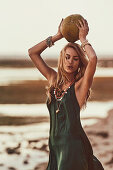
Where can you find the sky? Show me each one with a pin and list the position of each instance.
(24, 23)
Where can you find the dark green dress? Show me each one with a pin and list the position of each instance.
(69, 146)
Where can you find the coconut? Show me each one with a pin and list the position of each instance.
(69, 29)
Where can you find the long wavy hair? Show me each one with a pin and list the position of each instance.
(61, 74)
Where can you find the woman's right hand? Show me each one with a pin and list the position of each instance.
(59, 34)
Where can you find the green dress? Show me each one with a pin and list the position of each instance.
(69, 147)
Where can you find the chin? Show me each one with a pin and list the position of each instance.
(69, 71)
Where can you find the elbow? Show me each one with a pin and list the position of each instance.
(30, 52)
(94, 59)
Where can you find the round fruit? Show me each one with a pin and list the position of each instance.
(69, 29)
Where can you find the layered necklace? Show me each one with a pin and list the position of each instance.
(60, 94)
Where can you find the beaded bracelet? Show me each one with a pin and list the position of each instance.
(49, 41)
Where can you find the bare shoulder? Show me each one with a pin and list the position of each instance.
(78, 83)
(52, 78)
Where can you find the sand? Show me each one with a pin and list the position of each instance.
(101, 137)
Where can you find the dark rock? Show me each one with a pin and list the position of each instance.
(11, 168)
(35, 141)
(25, 162)
(43, 147)
(1, 164)
(102, 134)
(14, 150)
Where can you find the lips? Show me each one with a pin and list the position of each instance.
(70, 67)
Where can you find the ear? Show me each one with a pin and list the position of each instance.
(78, 69)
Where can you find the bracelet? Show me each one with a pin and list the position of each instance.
(49, 42)
(84, 44)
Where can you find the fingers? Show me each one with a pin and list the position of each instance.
(77, 25)
(60, 25)
(61, 22)
(82, 24)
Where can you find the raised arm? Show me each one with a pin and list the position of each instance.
(35, 55)
(91, 67)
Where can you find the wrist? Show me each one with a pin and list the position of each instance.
(82, 40)
(51, 39)
(57, 37)
(84, 43)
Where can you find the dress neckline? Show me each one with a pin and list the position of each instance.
(62, 96)
(69, 86)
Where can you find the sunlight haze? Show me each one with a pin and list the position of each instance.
(24, 23)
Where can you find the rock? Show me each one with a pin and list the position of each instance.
(69, 29)
(25, 162)
(1, 164)
(11, 168)
(14, 150)
(102, 134)
(43, 147)
(33, 141)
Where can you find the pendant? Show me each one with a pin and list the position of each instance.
(57, 110)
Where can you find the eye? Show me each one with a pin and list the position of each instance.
(75, 59)
(67, 57)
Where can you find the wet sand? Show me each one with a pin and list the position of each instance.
(101, 137)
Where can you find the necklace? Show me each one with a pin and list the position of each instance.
(59, 96)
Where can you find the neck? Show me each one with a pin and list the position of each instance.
(70, 77)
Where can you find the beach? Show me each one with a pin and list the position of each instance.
(24, 146)
(25, 122)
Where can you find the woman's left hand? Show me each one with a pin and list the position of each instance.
(83, 29)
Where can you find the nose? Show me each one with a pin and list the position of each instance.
(70, 60)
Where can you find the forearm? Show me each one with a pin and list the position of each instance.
(89, 50)
(40, 47)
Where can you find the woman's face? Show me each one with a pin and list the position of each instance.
(71, 60)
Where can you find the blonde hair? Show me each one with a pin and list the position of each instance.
(61, 74)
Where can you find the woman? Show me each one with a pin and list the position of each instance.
(68, 92)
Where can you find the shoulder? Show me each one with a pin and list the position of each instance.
(78, 83)
(52, 78)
